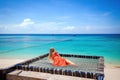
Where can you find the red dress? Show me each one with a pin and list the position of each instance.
(58, 60)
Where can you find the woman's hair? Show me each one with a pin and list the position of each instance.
(50, 54)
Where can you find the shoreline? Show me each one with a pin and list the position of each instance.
(111, 71)
(107, 65)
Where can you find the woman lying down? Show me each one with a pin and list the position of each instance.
(57, 60)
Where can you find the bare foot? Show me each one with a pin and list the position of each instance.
(74, 64)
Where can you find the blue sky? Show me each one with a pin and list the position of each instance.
(59, 16)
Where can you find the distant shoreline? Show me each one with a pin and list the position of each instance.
(58, 34)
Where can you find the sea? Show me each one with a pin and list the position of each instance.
(26, 46)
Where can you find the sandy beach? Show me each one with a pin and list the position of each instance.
(4, 63)
(112, 72)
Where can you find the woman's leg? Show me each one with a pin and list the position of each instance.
(71, 62)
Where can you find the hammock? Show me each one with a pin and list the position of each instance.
(87, 66)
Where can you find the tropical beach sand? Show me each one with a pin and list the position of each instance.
(5, 63)
(111, 72)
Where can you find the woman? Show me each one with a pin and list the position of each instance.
(57, 60)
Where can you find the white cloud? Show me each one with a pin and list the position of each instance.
(87, 28)
(56, 27)
(26, 22)
(53, 27)
(64, 17)
(69, 28)
(106, 14)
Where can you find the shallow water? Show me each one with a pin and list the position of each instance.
(28, 46)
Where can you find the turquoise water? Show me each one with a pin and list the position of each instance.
(28, 46)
